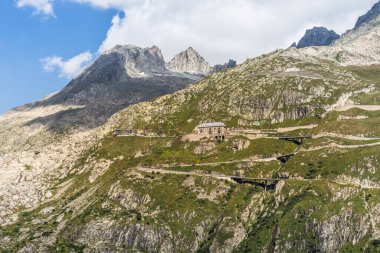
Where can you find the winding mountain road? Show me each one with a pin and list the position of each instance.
(230, 178)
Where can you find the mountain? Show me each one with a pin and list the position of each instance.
(220, 67)
(166, 189)
(369, 16)
(298, 171)
(118, 78)
(317, 36)
(189, 61)
(46, 136)
(357, 46)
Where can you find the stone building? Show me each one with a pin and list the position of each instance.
(217, 130)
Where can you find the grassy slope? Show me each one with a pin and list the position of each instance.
(289, 219)
(236, 97)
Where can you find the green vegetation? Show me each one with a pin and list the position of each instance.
(190, 213)
(333, 162)
(156, 151)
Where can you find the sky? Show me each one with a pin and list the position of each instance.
(46, 43)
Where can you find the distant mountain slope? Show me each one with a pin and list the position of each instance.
(358, 46)
(120, 77)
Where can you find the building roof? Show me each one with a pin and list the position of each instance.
(212, 124)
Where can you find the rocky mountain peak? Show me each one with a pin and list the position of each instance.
(120, 77)
(318, 36)
(372, 14)
(191, 50)
(140, 61)
(220, 67)
(189, 61)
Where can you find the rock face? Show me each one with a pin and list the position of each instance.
(189, 61)
(122, 76)
(106, 232)
(369, 16)
(256, 107)
(220, 67)
(140, 62)
(318, 36)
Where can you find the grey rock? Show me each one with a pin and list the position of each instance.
(123, 76)
(221, 67)
(369, 16)
(317, 36)
(97, 235)
(189, 61)
(140, 61)
(282, 106)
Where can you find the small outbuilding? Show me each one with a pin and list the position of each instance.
(118, 132)
(217, 130)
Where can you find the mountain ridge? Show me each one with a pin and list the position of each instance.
(120, 77)
(373, 13)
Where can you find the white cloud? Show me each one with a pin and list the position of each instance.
(44, 7)
(69, 68)
(218, 29)
(106, 4)
(223, 29)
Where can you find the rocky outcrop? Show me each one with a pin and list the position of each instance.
(221, 67)
(128, 198)
(240, 144)
(189, 61)
(280, 107)
(204, 147)
(340, 229)
(317, 36)
(98, 235)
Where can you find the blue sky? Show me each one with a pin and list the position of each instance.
(45, 43)
(26, 38)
